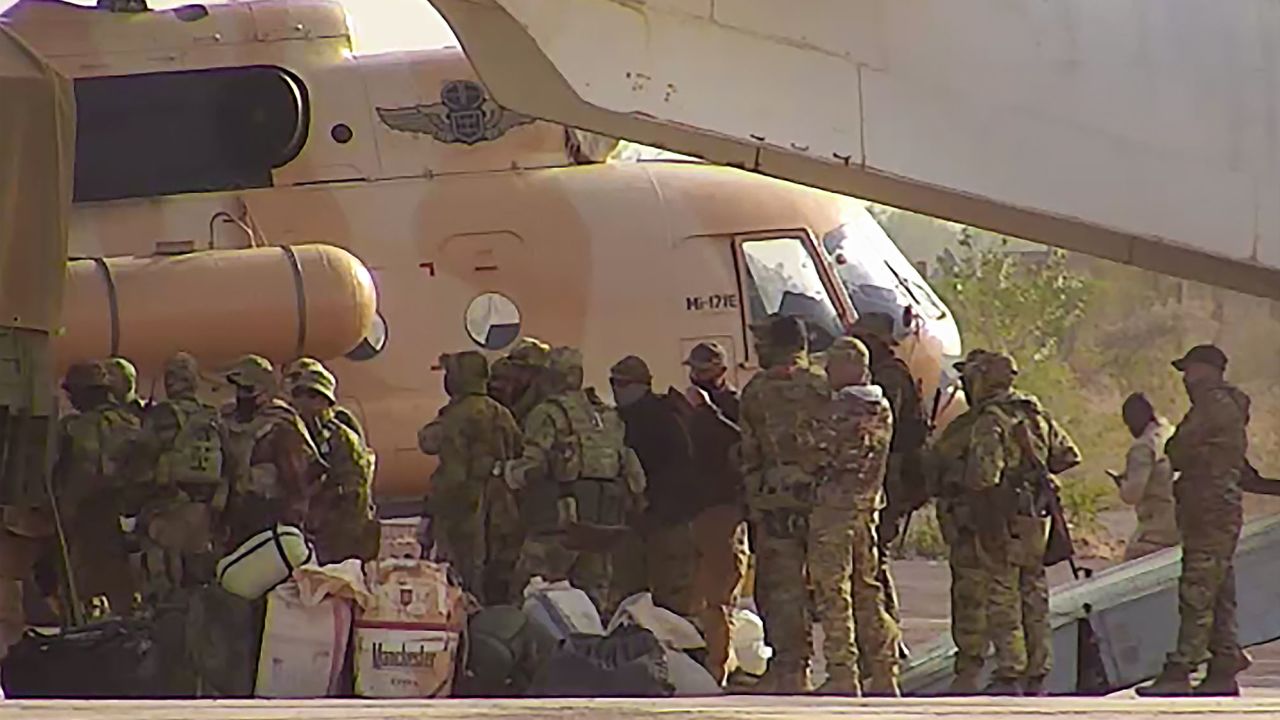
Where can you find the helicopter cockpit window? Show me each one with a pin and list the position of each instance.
(167, 133)
(493, 321)
(875, 272)
(782, 278)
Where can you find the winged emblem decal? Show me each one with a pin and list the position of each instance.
(465, 114)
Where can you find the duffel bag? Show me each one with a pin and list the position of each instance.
(112, 658)
(264, 561)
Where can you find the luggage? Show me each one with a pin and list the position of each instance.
(561, 609)
(504, 651)
(689, 678)
(264, 561)
(109, 659)
(628, 663)
(407, 640)
(304, 645)
(224, 632)
(670, 629)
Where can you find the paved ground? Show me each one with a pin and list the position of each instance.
(923, 590)
(719, 709)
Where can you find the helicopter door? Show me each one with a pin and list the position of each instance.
(781, 273)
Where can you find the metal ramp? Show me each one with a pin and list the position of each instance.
(1112, 631)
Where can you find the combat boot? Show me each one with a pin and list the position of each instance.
(1220, 681)
(1004, 686)
(841, 680)
(1033, 686)
(966, 682)
(783, 680)
(1174, 681)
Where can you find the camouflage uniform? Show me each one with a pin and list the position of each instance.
(122, 378)
(853, 437)
(1208, 449)
(946, 463)
(558, 544)
(294, 370)
(904, 486)
(472, 435)
(342, 516)
(515, 382)
(271, 463)
(88, 486)
(183, 440)
(779, 460)
(1011, 529)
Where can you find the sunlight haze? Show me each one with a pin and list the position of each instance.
(376, 25)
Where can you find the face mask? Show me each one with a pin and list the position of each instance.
(705, 383)
(628, 394)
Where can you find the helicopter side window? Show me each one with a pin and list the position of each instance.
(782, 278)
(168, 133)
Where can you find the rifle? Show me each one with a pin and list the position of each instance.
(1060, 546)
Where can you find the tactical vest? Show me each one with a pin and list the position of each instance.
(112, 433)
(194, 463)
(246, 477)
(592, 475)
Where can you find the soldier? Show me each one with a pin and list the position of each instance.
(182, 443)
(1006, 502)
(779, 458)
(577, 483)
(853, 437)
(1208, 449)
(123, 379)
(944, 462)
(342, 516)
(707, 370)
(719, 529)
(656, 431)
(88, 487)
(272, 465)
(516, 382)
(294, 370)
(1147, 481)
(472, 436)
(903, 483)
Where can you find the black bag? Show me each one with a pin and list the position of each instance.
(504, 651)
(224, 635)
(630, 662)
(109, 659)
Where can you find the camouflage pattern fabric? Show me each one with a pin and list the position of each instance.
(89, 486)
(945, 463)
(1208, 448)
(853, 437)
(273, 467)
(475, 434)
(548, 443)
(342, 518)
(779, 457)
(1012, 550)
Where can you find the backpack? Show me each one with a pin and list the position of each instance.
(196, 457)
(591, 465)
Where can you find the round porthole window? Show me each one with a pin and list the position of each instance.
(493, 321)
(373, 342)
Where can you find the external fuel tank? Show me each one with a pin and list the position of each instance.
(279, 302)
